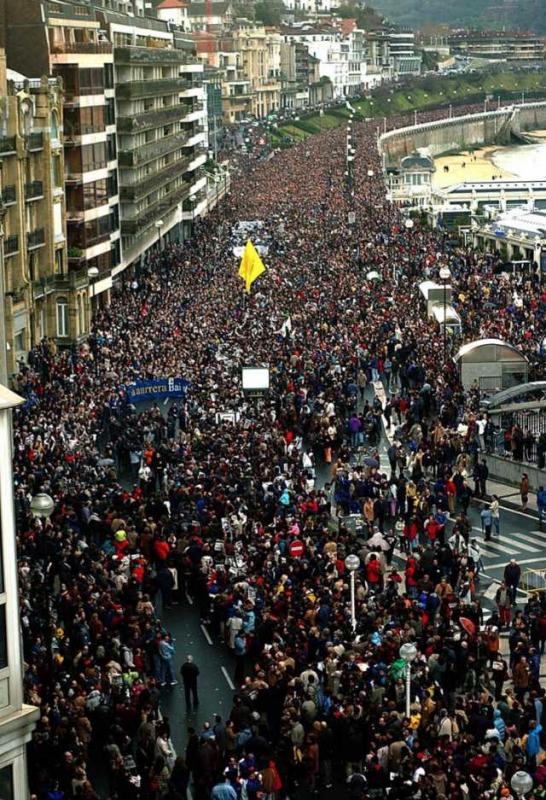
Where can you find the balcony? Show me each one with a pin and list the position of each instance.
(151, 119)
(138, 224)
(35, 141)
(148, 55)
(138, 89)
(34, 190)
(139, 189)
(11, 245)
(147, 152)
(36, 238)
(7, 145)
(81, 48)
(9, 195)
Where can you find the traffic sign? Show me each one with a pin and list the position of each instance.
(296, 548)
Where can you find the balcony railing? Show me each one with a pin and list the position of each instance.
(7, 144)
(34, 190)
(81, 47)
(148, 55)
(151, 119)
(134, 158)
(35, 141)
(9, 195)
(135, 191)
(11, 245)
(162, 206)
(138, 89)
(36, 238)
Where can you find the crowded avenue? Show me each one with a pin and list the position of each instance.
(201, 618)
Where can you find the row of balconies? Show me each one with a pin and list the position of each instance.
(152, 119)
(85, 48)
(142, 187)
(35, 238)
(147, 152)
(153, 212)
(148, 55)
(160, 86)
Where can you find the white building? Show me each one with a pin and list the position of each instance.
(174, 11)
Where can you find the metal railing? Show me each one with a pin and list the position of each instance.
(155, 149)
(36, 238)
(9, 195)
(34, 190)
(138, 89)
(148, 55)
(7, 144)
(81, 47)
(11, 245)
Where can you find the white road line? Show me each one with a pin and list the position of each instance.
(206, 634)
(495, 565)
(225, 673)
(494, 543)
(525, 514)
(189, 599)
(528, 538)
(491, 547)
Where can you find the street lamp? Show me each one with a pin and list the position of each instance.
(445, 275)
(42, 505)
(371, 173)
(352, 563)
(92, 274)
(521, 782)
(159, 224)
(408, 651)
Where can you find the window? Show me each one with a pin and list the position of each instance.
(54, 126)
(62, 317)
(6, 783)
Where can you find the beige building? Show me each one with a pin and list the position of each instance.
(261, 65)
(42, 299)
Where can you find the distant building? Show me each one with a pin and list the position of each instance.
(175, 11)
(411, 183)
(497, 45)
(220, 17)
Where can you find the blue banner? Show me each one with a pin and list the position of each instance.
(156, 389)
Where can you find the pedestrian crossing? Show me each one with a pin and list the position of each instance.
(512, 543)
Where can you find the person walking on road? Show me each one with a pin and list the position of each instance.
(524, 491)
(190, 671)
(494, 507)
(487, 523)
(512, 575)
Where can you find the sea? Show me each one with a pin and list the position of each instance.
(527, 161)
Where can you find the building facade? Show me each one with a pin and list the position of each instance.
(42, 296)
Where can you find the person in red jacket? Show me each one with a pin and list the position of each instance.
(411, 577)
(374, 575)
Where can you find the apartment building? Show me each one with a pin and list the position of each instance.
(117, 63)
(260, 51)
(497, 45)
(391, 53)
(65, 39)
(42, 296)
(161, 131)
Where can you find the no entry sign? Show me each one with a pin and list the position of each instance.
(296, 548)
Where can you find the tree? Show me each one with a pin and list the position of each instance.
(269, 12)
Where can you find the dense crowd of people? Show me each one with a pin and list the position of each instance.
(207, 498)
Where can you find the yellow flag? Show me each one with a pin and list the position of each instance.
(251, 265)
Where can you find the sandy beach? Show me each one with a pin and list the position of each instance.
(468, 166)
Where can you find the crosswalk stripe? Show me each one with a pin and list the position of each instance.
(503, 549)
(494, 547)
(528, 538)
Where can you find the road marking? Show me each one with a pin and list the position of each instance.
(495, 544)
(490, 547)
(525, 561)
(189, 599)
(206, 634)
(532, 515)
(528, 538)
(228, 679)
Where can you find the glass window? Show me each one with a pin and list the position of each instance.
(62, 317)
(6, 783)
(3, 642)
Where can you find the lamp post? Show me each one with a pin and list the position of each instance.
(42, 505)
(92, 274)
(408, 651)
(352, 563)
(521, 782)
(445, 275)
(159, 224)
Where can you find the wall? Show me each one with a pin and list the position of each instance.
(458, 133)
(510, 472)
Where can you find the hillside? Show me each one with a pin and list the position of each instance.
(522, 15)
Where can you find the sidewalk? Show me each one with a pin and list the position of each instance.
(509, 496)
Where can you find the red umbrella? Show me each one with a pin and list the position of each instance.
(468, 626)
